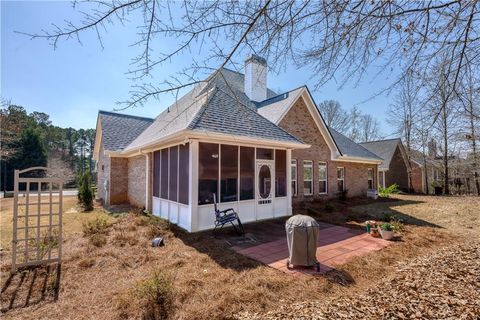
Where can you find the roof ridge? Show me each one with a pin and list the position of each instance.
(124, 115)
(381, 140)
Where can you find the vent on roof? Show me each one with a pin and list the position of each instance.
(256, 78)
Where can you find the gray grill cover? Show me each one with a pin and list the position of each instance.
(302, 235)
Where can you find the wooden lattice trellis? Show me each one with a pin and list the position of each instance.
(37, 226)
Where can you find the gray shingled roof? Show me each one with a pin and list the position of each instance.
(350, 148)
(119, 130)
(224, 114)
(383, 148)
(218, 105)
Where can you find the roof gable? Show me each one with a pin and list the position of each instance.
(386, 150)
(276, 108)
(118, 130)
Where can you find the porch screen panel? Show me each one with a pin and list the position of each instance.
(207, 172)
(280, 173)
(156, 174)
(164, 174)
(173, 175)
(247, 173)
(228, 173)
(183, 173)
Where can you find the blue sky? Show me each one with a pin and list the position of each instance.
(74, 81)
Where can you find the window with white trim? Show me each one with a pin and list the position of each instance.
(307, 177)
(370, 178)
(322, 178)
(293, 176)
(341, 179)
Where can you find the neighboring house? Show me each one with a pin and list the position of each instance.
(233, 137)
(395, 167)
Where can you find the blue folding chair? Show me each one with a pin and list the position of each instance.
(227, 216)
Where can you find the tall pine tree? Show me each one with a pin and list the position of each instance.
(32, 151)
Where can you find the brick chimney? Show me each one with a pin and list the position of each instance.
(256, 78)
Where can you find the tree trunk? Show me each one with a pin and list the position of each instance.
(445, 150)
(474, 150)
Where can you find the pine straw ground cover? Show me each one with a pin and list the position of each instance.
(110, 271)
(441, 285)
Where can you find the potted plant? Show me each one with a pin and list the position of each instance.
(386, 231)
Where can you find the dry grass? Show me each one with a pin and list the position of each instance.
(73, 218)
(459, 214)
(208, 279)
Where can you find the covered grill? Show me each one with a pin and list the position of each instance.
(302, 235)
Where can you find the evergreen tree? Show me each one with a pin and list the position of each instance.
(32, 151)
(85, 194)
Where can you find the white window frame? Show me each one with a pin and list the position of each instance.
(323, 163)
(342, 178)
(293, 164)
(306, 164)
(370, 178)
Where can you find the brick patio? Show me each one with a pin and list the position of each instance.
(336, 246)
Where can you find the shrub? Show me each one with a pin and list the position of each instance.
(98, 225)
(98, 240)
(153, 296)
(313, 211)
(386, 192)
(85, 193)
(329, 207)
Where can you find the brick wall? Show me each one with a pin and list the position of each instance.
(136, 181)
(417, 178)
(118, 180)
(397, 172)
(299, 122)
(103, 174)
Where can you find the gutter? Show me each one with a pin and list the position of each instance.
(358, 159)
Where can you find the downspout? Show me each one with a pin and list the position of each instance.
(147, 179)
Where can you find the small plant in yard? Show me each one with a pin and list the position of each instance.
(386, 226)
(98, 240)
(386, 231)
(386, 192)
(98, 225)
(85, 193)
(313, 211)
(153, 296)
(397, 224)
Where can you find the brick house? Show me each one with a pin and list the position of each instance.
(232, 137)
(395, 167)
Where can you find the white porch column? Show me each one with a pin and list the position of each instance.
(148, 194)
(193, 185)
(289, 182)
